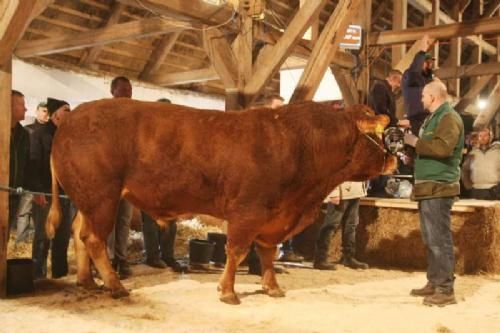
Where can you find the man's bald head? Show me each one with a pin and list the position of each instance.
(433, 95)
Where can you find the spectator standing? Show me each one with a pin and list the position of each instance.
(414, 79)
(342, 210)
(159, 242)
(25, 224)
(19, 153)
(41, 146)
(437, 173)
(481, 168)
(118, 239)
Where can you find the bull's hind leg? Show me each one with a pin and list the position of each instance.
(83, 273)
(98, 224)
(269, 282)
(235, 255)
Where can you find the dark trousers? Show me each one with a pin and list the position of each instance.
(158, 243)
(58, 245)
(346, 213)
(435, 225)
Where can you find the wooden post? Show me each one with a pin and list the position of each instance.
(399, 22)
(477, 51)
(5, 115)
(455, 58)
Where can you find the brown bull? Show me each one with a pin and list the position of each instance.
(264, 171)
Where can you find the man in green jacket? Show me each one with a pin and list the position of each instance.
(437, 174)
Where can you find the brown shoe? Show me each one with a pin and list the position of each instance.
(440, 299)
(427, 290)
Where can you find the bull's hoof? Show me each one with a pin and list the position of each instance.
(277, 292)
(119, 293)
(88, 284)
(230, 299)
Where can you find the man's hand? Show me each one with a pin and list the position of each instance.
(40, 200)
(410, 139)
(425, 43)
(334, 200)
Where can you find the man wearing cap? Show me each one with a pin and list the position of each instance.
(414, 79)
(24, 212)
(41, 146)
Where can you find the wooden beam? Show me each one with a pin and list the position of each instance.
(116, 33)
(445, 31)
(283, 48)
(14, 22)
(198, 10)
(303, 48)
(491, 9)
(455, 55)
(473, 92)
(172, 79)
(243, 54)
(90, 55)
(382, 6)
(324, 50)
(399, 21)
(346, 84)
(159, 54)
(468, 70)
(433, 22)
(221, 56)
(425, 6)
(484, 118)
(5, 119)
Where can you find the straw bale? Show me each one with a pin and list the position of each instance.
(390, 237)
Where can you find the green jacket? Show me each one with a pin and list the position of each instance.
(19, 157)
(439, 152)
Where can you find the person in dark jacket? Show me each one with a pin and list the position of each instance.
(25, 210)
(414, 79)
(19, 153)
(382, 100)
(159, 242)
(41, 145)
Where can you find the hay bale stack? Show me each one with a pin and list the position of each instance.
(390, 237)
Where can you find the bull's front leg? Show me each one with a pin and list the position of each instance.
(235, 255)
(269, 282)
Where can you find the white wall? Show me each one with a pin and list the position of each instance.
(37, 83)
(328, 88)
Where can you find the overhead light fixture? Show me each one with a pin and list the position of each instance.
(482, 104)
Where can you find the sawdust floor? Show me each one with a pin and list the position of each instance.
(345, 300)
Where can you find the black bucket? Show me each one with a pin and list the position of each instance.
(219, 255)
(20, 276)
(200, 251)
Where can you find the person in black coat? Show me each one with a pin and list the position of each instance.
(414, 79)
(41, 146)
(19, 153)
(382, 100)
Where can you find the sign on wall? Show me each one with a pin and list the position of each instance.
(352, 37)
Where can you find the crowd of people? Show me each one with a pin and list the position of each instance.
(434, 149)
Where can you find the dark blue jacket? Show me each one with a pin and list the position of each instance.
(412, 84)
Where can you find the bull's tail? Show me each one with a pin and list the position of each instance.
(55, 213)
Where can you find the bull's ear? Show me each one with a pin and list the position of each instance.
(373, 125)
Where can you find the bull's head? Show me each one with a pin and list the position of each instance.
(372, 129)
